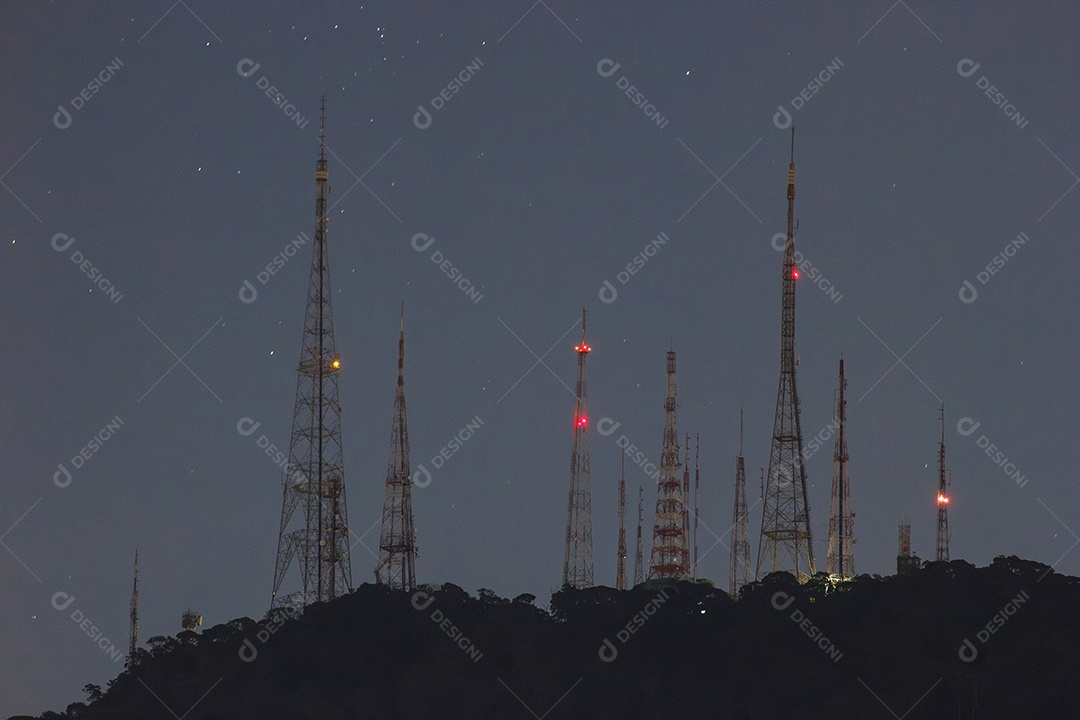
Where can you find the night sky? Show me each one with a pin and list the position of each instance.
(176, 178)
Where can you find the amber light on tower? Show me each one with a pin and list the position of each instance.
(944, 480)
(318, 540)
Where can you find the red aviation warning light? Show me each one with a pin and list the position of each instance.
(582, 348)
(583, 422)
(942, 499)
(794, 274)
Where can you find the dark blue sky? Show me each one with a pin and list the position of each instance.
(539, 179)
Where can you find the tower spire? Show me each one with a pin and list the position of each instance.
(739, 565)
(942, 498)
(786, 542)
(397, 539)
(670, 557)
(314, 478)
(578, 558)
(840, 561)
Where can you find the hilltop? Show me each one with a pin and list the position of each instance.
(944, 639)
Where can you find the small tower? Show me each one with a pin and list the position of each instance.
(397, 539)
(578, 558)
(190, 621)
(639, 561)
(319, 542)
(840, 562)
(620, 575)
(786, 542)
(739, 566)
(133, 629)
(670, 556)
(944, 480)
(905, 561)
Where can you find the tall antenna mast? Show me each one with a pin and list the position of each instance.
(739, 566)
(620, 575)
(697, 485)
(639, 561)
(397, 538)
(786, 542)
(315, 479)
(840, 561)
(942, 498)
(670, 557)
(133, 630)
(578, 558)
(687, 542)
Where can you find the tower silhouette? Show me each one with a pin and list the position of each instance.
(578, 558)
(133, 628)
(397, 539)
(840, 561)
(670, 550)
(786, 543)
(739, 565)
(315, 479)
(639, 559)
(944, 478)
(686, 531)
(620, 574)
(697, 487)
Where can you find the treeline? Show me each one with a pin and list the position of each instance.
(946, 641)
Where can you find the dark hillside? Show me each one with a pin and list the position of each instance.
(873, 648)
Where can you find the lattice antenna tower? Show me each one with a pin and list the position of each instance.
(639, 556)
(786, 541)
(840, 561)
(578, 558)
(697, 487)
(687, 541)
(942, 497)
(133, 629)
(739, 565)
(687, 529)
(670, 557)
(315, 480)
(620, 575)
(397, 539)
